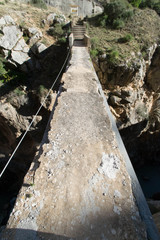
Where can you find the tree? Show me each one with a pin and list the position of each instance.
(118, 9)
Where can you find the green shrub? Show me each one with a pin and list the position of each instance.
(62, 40)
(157, 7)
(18, 91)
(151, 3)
(112, 56)
(135, 3)
(118, 24)
(42, 91)
(94, 53)
(39, 4)
(58, 31)
(2, 67)
(154, 4)
(26, 39)
(118, 9)
(126, 39)
(13, 77)
(22, 24)
(94, 42)
(102, 20)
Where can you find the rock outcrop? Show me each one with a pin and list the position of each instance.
(13, 46)
(20, 99)
(12, 43)
(126, 86)
(85, 7)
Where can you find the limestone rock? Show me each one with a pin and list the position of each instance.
(130, 81)
(11, 36)
(12, 41)
(86, 8)
(33, 31)
(153, 73)
(2, 21)
(114, 100)
(9, 113)
(34, 35)
(51, 17)
(38, 48)
(13, 119)
(54, 18)
(6, 20)
(22, 46)
(19, 57)
(5, 52)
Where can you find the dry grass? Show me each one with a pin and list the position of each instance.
(29, 16)
(144, 27)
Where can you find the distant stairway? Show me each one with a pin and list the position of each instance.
(78, 33)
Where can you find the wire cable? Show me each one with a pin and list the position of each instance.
(34, 116)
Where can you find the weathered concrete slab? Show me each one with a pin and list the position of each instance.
(81, 186)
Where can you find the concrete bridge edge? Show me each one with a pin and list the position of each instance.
(152, 231)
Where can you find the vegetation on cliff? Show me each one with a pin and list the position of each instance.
(125, 29)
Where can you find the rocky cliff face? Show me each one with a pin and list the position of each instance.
(85, 7)
(36, 66)
(133, 95)
(127, 88)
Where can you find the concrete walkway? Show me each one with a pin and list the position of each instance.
(81, 186)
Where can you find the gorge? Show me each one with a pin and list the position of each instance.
(130, 80)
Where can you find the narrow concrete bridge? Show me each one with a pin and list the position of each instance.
(81, 184)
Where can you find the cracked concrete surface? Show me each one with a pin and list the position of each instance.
(81, 186)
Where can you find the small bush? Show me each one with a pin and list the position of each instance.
(42, 91)
(118, 24)
(58, 30)
(13, 77)
(126, 39)
(118, 9)
(102, 21)
(157, 8)
(2, 67)
(62, 40)
(26, 39)
(18, 92)
(151, 3)
(94, 53)
(154, 4)
(22, 24)
(39, 4)
(112, 56)
(135, 3)
(94, 42)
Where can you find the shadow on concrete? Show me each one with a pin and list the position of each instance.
(26, 234)
(79, 43)
(103, 227)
